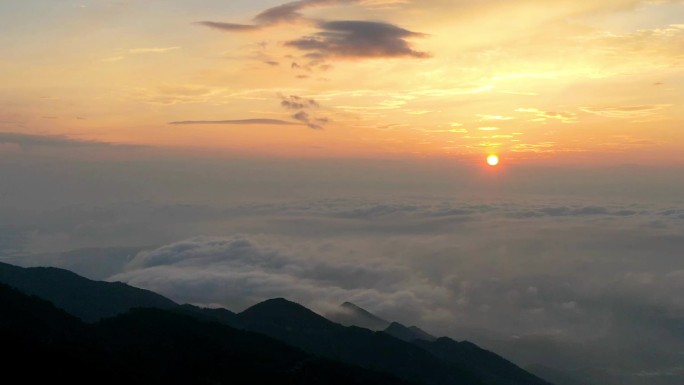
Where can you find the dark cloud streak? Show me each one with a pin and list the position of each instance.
(310, 121)
(359, 39)
(232, 27)
(285, 13)
(341, 38)
(238, 122)
(32, 140)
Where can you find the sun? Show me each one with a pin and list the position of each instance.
(492, 160)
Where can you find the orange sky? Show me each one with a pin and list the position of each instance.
(532, 80)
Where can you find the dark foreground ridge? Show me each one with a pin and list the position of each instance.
(145, 338)
(153, 346)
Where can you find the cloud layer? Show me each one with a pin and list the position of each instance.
(537, 263)
(564, 285)
(60, 141)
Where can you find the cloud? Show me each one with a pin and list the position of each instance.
(542, 116)
(597, 283)
(291, 102)
(338, 251)
(231, 27)
(559, 263)
(285, 13)
(652, 42)
(238, 122)
(34, 140)
(290, 12)
(224, 269)
(136, 51)
(637, 111)
(311, 121)
(342, 38)
(494, 117)
(294, 102)
(121, 55)
(170, 94)
(358, 39)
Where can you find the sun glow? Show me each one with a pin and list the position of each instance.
(492, 160)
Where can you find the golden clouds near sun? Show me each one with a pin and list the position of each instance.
(492, 160)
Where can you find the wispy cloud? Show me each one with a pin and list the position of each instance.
(136, 51)
(169, 94)
(121, 55)
(257, 121)
(542, 116)
(37, 140)
(494, 117)
(638, 111)
(230, 27)
(284, 13)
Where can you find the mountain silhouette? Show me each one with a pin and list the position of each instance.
(298, 326)
(408, 334)
(489, 366)
(349, 314)
(486, 365)
(118, 329)
(153, 347)
(220, 315)
(86, 299)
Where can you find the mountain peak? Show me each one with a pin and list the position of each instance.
(284, 313)
(408, 334)
(349, 314)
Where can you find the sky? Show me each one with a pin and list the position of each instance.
(225, 152)
(535, 81)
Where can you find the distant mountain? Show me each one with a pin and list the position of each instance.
(153, 347)
(86, 299)
(93, 263)
(279, 312)
(300, 327)
(349, 314)
(489, 366)
(408, 334)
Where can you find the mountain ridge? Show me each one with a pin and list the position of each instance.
(427, 361)
(87, 299)
(408, 334)
(154, 347)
